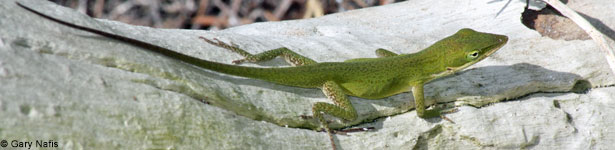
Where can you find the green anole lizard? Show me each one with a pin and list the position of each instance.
(371, 78)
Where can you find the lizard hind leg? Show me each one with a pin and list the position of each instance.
(341, 109)
(290, 56)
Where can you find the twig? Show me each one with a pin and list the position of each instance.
(313, 9)
(97, 11)
(591, 30)
(282, 8)
(360, 3)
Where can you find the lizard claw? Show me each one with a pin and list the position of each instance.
(206, 40)
(215, 41)
(346, 131)
(238, 61)
(447, 119)
(448, 112)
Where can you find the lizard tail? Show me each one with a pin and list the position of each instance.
(250, 72)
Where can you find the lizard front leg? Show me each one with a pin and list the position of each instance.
(290, 56)
(342, 109)
(419, 103)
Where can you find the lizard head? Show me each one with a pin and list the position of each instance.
(467, 47)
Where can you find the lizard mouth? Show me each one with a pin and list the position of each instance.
(495, 47)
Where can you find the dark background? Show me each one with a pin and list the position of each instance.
(212, 14)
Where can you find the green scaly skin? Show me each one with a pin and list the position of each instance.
(371, 78)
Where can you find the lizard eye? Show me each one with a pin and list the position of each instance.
(472, 55)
